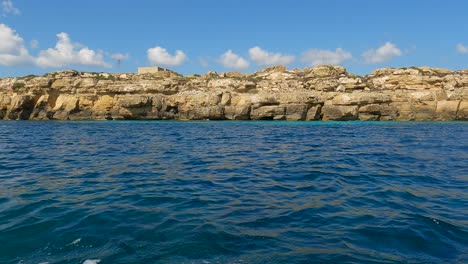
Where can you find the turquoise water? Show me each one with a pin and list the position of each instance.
(233, 192)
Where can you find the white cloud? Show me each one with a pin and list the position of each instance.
(384, 53)
(10, 39)
(119, 56)
(233, 61)
(263, 57)
(9, 8)
(13, 52)
(67, 53)
(316, 57)
(34, 44)
(12, 49)
(160, 56)
(462, 49)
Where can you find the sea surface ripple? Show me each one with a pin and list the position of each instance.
(233, 192)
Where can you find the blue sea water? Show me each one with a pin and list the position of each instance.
(233, 192)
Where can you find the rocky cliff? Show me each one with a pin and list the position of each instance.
(319, 93)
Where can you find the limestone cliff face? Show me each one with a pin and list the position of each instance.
(319, 93)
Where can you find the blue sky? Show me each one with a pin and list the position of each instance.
(199, 36)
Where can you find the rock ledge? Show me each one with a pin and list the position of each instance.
(275, 93)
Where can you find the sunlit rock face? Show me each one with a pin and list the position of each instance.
(275, 93)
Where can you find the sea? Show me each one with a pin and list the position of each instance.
(233, 192)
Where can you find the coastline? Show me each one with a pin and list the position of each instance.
(322, 93)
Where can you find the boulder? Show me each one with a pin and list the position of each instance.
(313, 113)
(226, 99)
(462, 113)
(323, 84)
(64, 106)
(86, 83)
(269, 112)
(447, 110)
(296, 112)
(103, 108)
(133, 113)
(326, 71)
(239, 112)
(65, 83)
(339, 112)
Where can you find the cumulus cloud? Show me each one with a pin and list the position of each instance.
(384, 53)
(316, 57)
(263, 57)
(13, 52)
(160, 56)
(462, 49)
(67, 53)
(233, 61)
(12, 49)
(10, 39)
(9, 9)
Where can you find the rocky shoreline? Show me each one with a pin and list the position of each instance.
(275, 93)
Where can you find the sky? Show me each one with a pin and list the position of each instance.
(194, 37)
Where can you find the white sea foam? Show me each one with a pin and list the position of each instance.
(92, 261)
(76, 241)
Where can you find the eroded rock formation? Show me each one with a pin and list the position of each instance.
(275, 93)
